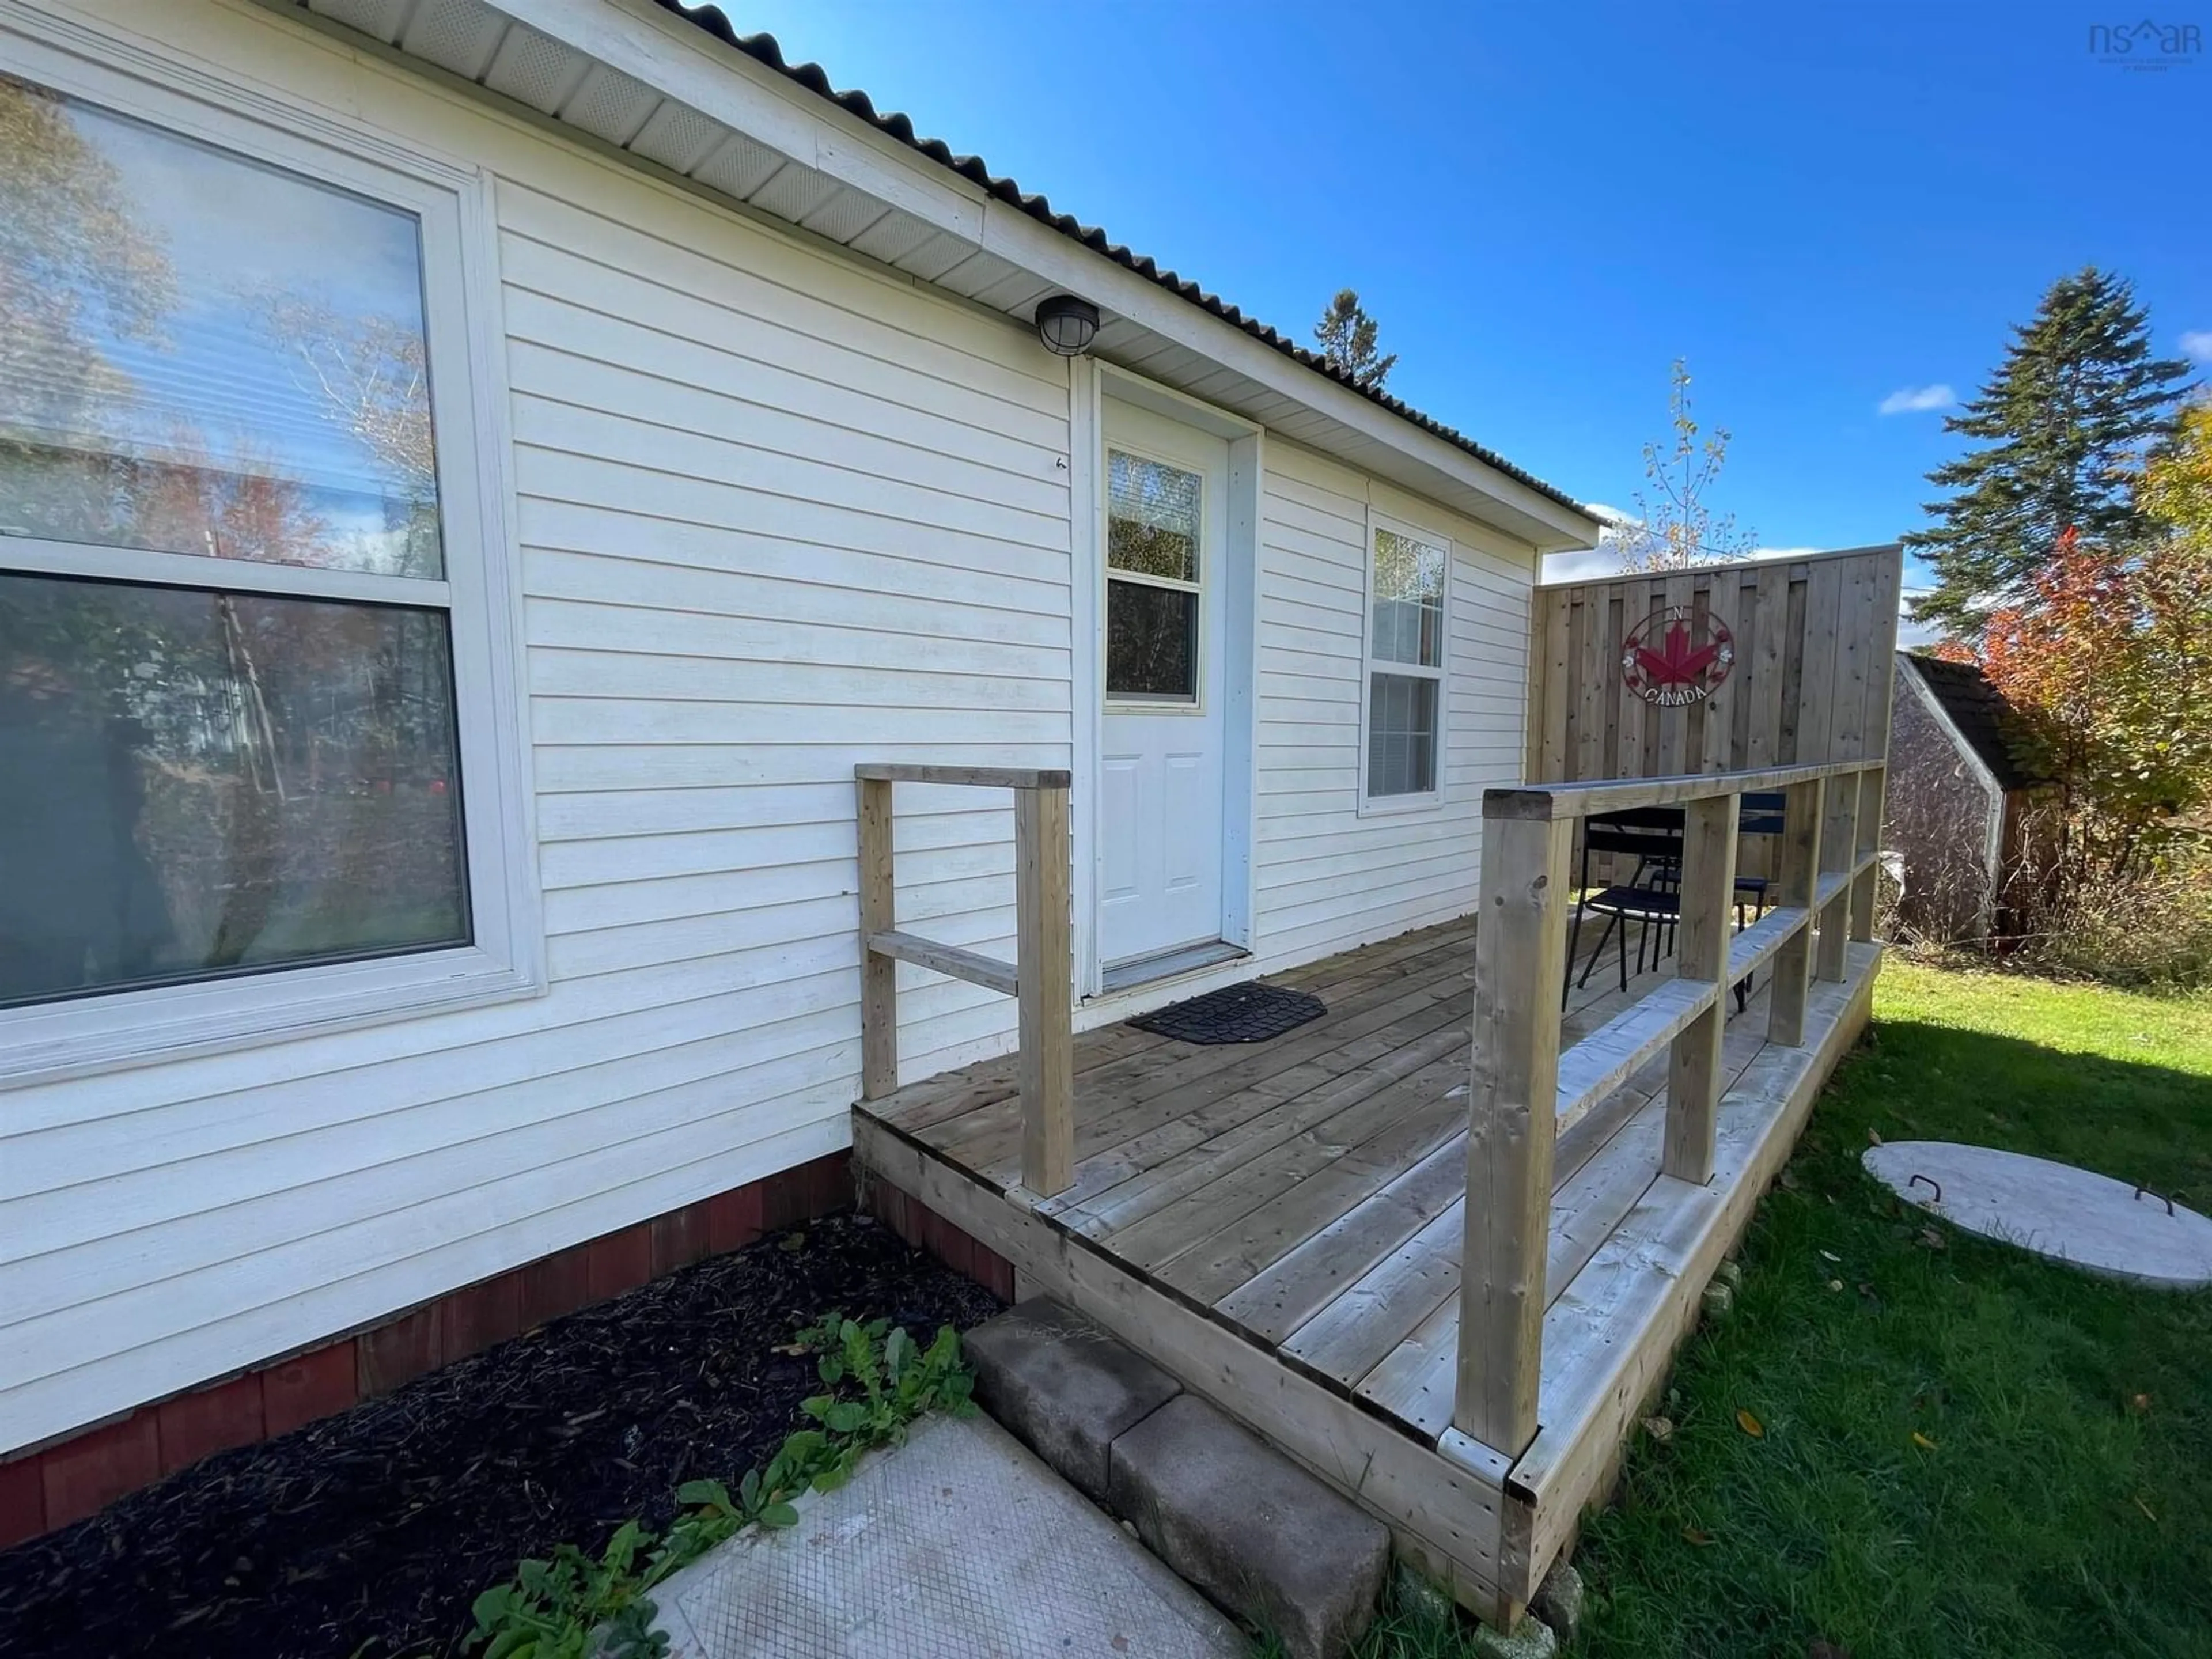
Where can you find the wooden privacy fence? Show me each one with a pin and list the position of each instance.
(1525, 1091)
(1041, 978)
(1811, 641)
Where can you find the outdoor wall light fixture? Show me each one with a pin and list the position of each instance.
(1067, 324)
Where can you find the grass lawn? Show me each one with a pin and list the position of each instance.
(1965, 1451)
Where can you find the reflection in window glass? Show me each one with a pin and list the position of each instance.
(1153, 515)
(1152, 641)
(198, 782)
(1401, 735)
(199, 353)
(1409, 600)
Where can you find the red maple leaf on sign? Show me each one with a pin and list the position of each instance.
(1675, 663)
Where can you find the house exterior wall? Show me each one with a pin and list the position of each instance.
(1329, 877)
(1942, 815)
(777, 512)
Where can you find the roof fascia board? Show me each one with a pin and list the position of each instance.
(682, 61)
(677, 59)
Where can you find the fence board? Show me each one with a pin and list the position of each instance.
(1813, 640)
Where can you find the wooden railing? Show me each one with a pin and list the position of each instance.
(1041, 978)
(1525, 1091)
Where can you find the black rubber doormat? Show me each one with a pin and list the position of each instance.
(1236, 1013)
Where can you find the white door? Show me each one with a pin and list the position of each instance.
(1160, 762)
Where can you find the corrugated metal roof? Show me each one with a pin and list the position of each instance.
(764, 48)
(1978, 711)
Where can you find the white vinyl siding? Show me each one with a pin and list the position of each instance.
(1329, 877)
(777, 514)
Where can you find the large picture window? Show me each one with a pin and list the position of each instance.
(241, 648)
(1408, 575)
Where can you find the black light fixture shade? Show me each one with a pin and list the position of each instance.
(1067, 324)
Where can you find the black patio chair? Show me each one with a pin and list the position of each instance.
(1652, 895)
(1653, 836)
(1756, 815)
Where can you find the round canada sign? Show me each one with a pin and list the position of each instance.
(1677, 655)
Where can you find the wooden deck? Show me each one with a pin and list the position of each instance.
(1281, 1225)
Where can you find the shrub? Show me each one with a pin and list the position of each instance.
(2151, 929)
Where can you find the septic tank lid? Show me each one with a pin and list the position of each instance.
(2070, 1215)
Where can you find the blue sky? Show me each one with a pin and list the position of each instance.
(1818, 206)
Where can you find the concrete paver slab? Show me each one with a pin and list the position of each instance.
(960, 1543)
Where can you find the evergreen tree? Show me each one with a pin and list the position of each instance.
(1347, 334)
(2062, 423)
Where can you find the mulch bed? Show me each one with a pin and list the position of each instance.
(371, 1533)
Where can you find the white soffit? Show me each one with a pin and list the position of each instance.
(912, 215)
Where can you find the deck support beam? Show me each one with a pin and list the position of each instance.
(1867, 882)
(1520, 957)
(1805, 810)
(1045, 977)
(1706, 895)
(878, 974)
(1839, 838)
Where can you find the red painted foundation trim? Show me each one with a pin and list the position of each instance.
(22, 1500)
(555, 1284)
(482, 1315)
(318, 1383)
(208, 1420)
(924, 1229)
(95, 1469)
(619, 1261)
(51, 1485)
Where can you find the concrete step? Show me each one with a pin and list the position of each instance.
(1264, 1540)
(1065, 1388)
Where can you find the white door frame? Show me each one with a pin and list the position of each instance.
(1089, 384)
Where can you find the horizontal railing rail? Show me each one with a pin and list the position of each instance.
(1525, 1090)
(1041, 978)
(1601, 795)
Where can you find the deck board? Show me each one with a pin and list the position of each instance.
(1174, 1159)
(1304, 1199)
(1121, 1099)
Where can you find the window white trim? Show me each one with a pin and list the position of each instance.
(1370, 664)
(481, 591)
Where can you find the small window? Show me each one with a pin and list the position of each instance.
(1154, 513)
(243, 652)
(1406, 579)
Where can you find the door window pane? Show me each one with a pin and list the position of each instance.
(1152, 641)
(1401, 735)
(198, 783)
(200, 354)
(1409, 600)
(1152, 516)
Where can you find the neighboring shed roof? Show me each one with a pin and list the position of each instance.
(1978, 711)
(764, 48)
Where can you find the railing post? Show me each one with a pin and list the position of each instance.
(1863, 886)
(1838, 843)
(1693, 1073)
(878, 974)
(1790, 983)
(1520, 955)
(1044, 969)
